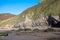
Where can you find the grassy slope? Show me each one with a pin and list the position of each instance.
(45, 7)
(5, 16)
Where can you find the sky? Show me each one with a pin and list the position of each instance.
(16, 6)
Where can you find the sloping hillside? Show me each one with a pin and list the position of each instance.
(45, 8)
(5, 16)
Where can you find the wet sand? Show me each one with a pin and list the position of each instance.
(33, 36)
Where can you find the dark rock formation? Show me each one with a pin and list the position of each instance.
(53, 22)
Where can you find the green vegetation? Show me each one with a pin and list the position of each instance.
(24, 30)
(36, 30)
(20, 30)
(49, 30)
(46, 7)
(3, 34)
(28, 30)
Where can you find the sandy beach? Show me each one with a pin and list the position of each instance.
(33, 36)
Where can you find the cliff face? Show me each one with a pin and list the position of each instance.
(40, 12)
(36, 15)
